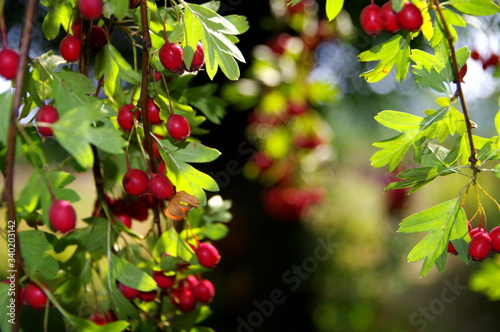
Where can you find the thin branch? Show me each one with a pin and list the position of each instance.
(11, 144)
(456, 73)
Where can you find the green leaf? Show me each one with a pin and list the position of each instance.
(117, 8)
(71, 89)
(5, 106)
(59, 15)
(485, 279)
(202, 98)
(333, 8)
(34, 245)
(444, 222)
(190, 152)
(475, 7)
(395, 51)
(107, 139)
(418, 177)
(131, 276)
(240, 22)
(204, 24)
(78, 324)
(5, 302)
(216, 231)
(172, 244)
(397, 5)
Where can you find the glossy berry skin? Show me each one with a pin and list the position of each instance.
(9, 60)
(410, 17)
(125, 117)
(451, 249)
(161, 187)
(98, 38)
(47, 114)
(34, 296)
(198, 58)
(135, 182)
(204, 291)
(129, 292)
(147, 296)
(178, 127)
(208, 255)
(390, 23)
(495, 239)
(125, 219)
(162, 280)
(90, 9)
(70, 48)
(476, 230)
(480, 246)
(187, 300)
(172, 57)
(371, 20)
(62, 216)
(153, 112)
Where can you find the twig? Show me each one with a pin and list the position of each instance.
(456, 73)
(11, 144)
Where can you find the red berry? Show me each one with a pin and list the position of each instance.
(178, 127)
(390, 23)
(474, 231)
(47, 114)
(9, 60)
(187, 300)
(147, 296)
(135, 182)
(262, 160)
(161, 187)
(125, 219)
(98, 318)
(278, 44)
(133, 4)
(77, 27)
(172, 57)
(451, 249)
(70, 48)
(129, 292)
(62, 216)
(98, 38)
(190, 282)
(491, 61)
(162, 280)
(480, 246)
(153, 112)
(208, 255)
(475, 55)
(162, 168)
(90, 9)
(371, 19)
(495, 239)
(204, 291)
(125, 117)
(34, 296)
(138, 210)
(198, 58)
(410, 17)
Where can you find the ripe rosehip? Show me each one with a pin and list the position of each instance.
(161, 187)
(135, 182)
(153, 112)
(480, 246)
(410, 17)
(187, 300)
(204, 291)
(178, 127)
(90, 9)
(372, 21)
(9, 60)
(47, 114)
(208, 255)
(172, 57)
(34, 296)
(70, 48)
(198, 58)
(129, 292)
(495, 239)
(390, 23)
(125, 117)
(162, 280)
(474, 231)
(62, 216)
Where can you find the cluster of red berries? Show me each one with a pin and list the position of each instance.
(136, 183)
(177, 126)
(70, 45)
(9, 61)
(492, 61)
(172, 58)
(127, 209)
(481, 244)
(375, 19)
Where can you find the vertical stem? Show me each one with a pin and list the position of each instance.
(11, 143)
(143, 101)
(456, 74)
